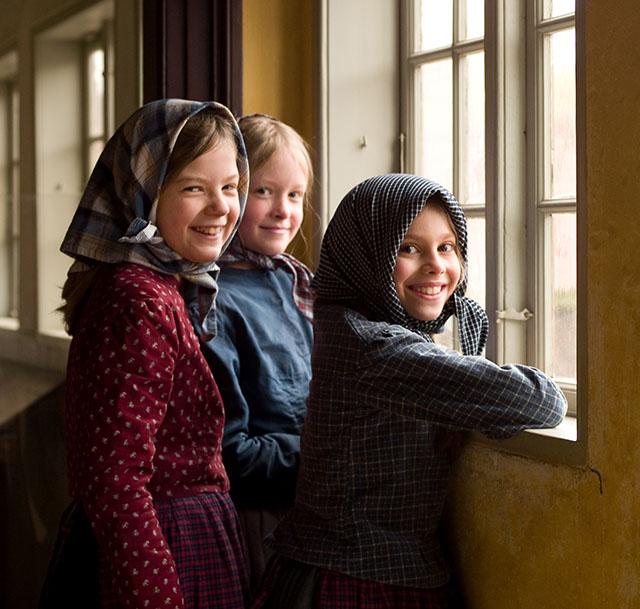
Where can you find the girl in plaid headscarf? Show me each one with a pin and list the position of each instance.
(261, 357)
(363, 532)
(151, 524)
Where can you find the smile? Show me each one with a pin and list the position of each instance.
(208, 230)
(429, 290)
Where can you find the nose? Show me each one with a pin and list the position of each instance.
(432, 263)
(217, 205)
(280, 207)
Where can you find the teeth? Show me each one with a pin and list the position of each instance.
(211, 230)
(431, 290)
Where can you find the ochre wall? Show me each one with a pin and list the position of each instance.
(278, 75)
(532, 535)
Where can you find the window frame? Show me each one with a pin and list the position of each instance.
(509, 70)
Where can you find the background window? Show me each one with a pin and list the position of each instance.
(73, 93)
(9, 189)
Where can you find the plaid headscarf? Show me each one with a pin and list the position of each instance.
(360, 247)
(115, 218)
(303, 295)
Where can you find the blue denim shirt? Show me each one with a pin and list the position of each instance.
(260, 360)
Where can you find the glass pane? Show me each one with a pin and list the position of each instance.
(561, 114)
(435, 122)
(435, 24)
(473, 23)
(556, 8)
(472, 128)
(563, 297)
(477, 261)
(95, 94)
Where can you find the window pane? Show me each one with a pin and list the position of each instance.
(555, 8)
(472, 132)
(435, 119)
(9, 180)
(561, 113)
(473, 23)
(95, 93)
(477, 265)
(435, 24)
(563, 297)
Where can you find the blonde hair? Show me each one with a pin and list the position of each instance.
(264, 135)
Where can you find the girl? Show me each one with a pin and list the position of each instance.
(373, 474)
(261, 355)
(144, 417)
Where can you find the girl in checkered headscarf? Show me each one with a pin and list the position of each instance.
(151, 522)
(363, 243)
(364, 529)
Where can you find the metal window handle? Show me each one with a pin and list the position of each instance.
(512, 315)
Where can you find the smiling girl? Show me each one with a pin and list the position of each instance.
(363, 532)
(261, 356)
(151, 523)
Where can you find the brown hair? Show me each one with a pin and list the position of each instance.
(264, 136)
(200, 133)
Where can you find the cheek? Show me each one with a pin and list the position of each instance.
(399, 273)
(252, 217)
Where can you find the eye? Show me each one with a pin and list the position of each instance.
(408, 248)
(261, 190)
(447, 247)
(296, 195)
(192, 188)
(230, 187)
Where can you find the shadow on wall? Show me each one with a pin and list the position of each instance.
(33, 495)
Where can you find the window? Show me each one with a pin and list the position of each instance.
(73, 110)
(490, 113)
(9, 194)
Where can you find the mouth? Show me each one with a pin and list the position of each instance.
(431, 290)
(208, 230)
(279, 229)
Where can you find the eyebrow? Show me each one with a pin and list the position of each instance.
(415, 235)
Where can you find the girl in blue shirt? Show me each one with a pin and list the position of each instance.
(261, 354)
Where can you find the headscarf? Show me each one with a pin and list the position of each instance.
(302, 293)
(115, 219)
(360, 247)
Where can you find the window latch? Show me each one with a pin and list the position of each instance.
(512, 315)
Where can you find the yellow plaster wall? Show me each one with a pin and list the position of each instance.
(278, 46)
(529, 534)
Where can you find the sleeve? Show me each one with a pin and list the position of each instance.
(133, 380)
(422, 380)
(259, 465)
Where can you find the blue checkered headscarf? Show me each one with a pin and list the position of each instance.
(360, 247)
(115, 219)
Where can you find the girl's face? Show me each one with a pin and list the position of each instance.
(427, 269)
(274, 204)
(198, 209)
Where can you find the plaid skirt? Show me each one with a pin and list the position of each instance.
(289, 584)
(205, 540)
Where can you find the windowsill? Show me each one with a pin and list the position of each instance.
(563, 444)
(9, 323)
(567, 430)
